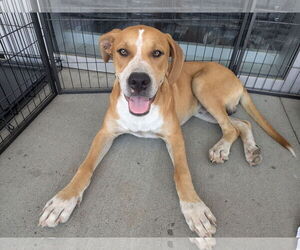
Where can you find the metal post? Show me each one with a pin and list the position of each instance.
(237, 45)
(50, 66)
(249, 28)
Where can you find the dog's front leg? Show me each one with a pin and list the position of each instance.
(197, 215)
(60, 207)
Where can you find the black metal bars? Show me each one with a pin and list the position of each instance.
(259, 48)
(25, 82)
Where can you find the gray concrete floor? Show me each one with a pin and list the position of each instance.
(132, 192)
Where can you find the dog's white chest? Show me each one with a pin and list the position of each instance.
(143, 126)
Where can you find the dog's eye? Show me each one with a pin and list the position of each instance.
(157, 53)
(123, 52)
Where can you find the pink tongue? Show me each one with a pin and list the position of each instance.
(139, 104)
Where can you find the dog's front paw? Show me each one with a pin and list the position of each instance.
(219, 153)
(199, 218)
(58, 210)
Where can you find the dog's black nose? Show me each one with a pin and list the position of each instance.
(139, 81)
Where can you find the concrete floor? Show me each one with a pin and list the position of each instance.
(132, 192)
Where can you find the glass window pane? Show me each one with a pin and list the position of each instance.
(202, 36)
(272, 45)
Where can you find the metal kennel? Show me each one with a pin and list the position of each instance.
(26, 82)
(45, 54)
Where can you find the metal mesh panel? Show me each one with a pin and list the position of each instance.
(273, 65)
(75, 42)
(24, 86)
(261, 49)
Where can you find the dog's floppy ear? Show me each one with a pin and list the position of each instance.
(106, 44)
(177, 59)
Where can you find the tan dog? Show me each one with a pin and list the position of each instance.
(152, 98)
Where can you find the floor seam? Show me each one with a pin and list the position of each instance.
(289, 120)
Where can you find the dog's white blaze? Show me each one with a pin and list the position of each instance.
(137, 64)
(139, 44)
(142, 126)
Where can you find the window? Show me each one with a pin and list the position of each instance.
(271, 45)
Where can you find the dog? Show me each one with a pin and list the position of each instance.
(154, 93)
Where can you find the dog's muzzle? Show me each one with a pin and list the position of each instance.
(139, 85)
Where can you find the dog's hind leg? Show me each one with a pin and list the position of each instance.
(218, 90)
(203, 114)
(216, 107)
(252, 151)
(220, 151)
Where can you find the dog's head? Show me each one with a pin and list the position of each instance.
(141, 58)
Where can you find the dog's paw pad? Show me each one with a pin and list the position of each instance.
(219, 153)
(199, 218)
(253, 155)
(57, 211)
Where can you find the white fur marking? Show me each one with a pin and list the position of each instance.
(137, 64)
(170, 151)
(58, 211)
(220, 151)
(143, 126)
(103, 152)
(199, 218)
(292, 151)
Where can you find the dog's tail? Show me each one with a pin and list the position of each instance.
(249, 106)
